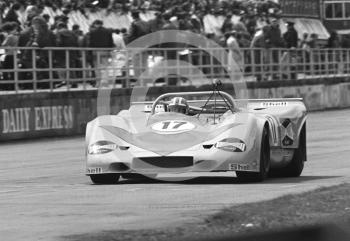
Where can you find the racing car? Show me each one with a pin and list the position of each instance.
(212, 132)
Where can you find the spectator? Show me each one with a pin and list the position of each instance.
(100, 37)
(36, 34)
(185, 22)
(11, 40)
(239, 26)
(333, 40)
(12, 14)
(196, 23)
(42, 37)
(118, 40)
(31, 11)
(138, 27)
(78, 34)
(275, 41)
(333, 52)
(124, 34)
(47, 19)
(291, 36)
(313, 42)
(251, 24)
(235, 61)
(59, 19)
(243, 40)
(169, 25)
(157, 23)
(314, 54)
(227, 25)
(260, 43)
(304, 42)
(345, 41)
(66, 38)
(304, 45)
(274, 38)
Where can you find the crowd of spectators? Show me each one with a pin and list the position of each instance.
(247, 24)
(169, 14)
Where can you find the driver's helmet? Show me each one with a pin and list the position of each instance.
(179, 105)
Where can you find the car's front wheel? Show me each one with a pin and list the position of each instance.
(104, 178)
(264, 162)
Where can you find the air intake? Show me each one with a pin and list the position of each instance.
(208, 146)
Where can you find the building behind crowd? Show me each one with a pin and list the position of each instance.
(336, 15)
(306, 16)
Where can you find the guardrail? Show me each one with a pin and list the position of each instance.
(36, 69)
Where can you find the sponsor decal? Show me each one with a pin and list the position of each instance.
(237, 145)
(231, 144)
(287, 132)
(159, 108)
(172, 126)
(94, 170)
(15, 120)
(274, 104)
(238, 167)
(39, 118)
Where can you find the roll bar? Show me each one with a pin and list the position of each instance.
(225, 95)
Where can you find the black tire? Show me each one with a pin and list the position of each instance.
(264, 162)
(104, 178)
(296, 166)
(137, 176)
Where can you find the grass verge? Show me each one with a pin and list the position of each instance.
(328, 206)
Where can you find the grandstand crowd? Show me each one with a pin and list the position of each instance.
(25, 23)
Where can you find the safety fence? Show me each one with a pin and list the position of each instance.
(37, 69)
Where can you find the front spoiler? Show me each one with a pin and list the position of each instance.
(207, 160)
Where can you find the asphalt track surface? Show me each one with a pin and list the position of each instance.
(44, 194)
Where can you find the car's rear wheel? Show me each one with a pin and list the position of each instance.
(264, 162)
(104, 178)
(296, 166)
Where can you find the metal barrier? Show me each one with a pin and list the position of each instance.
(36, 69)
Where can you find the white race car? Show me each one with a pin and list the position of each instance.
(266, 137)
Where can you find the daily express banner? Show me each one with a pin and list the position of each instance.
(40, 115)
(37, 118)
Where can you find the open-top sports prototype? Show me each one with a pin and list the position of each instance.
(199, 132)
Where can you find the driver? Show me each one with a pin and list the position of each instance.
(179, 105)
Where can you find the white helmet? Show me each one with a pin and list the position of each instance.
(178, 104)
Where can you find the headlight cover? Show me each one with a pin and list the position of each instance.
(101, 147)
(231, 144)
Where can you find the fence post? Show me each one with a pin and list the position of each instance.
(34, 70)
(127, 69)
(329, 62)
(211, 63)
(15, 69)
(67, 72)
(83, 64)
(51, 71)
(341, 62)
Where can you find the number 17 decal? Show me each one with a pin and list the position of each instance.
(172, 126)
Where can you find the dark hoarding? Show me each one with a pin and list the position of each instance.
(300, 8)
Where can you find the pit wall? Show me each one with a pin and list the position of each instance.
(26, 116)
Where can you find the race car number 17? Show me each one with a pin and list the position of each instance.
(172, 126)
